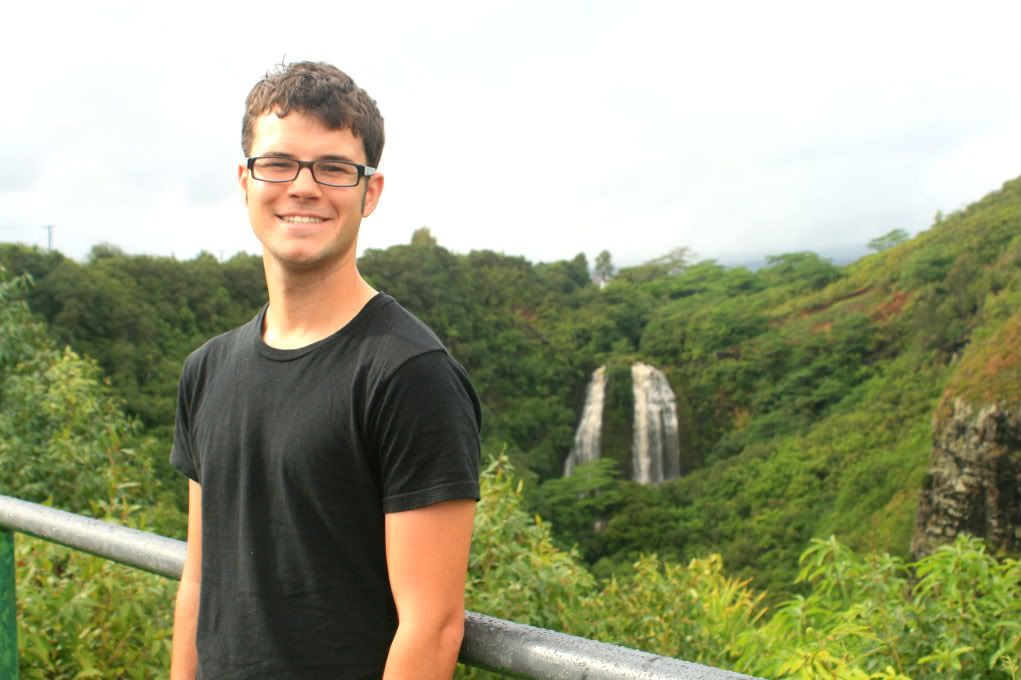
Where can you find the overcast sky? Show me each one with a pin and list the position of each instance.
(543, 129)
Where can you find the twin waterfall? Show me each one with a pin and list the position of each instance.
(655, 442)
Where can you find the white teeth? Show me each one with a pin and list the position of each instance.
(300, 219)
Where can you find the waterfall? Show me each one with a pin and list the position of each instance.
(655, 449)
(655, 439)
(586, 439)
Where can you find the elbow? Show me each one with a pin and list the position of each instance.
(448, 631)
(452, 634)
(441, 633)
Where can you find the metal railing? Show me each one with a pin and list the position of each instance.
(493, 644)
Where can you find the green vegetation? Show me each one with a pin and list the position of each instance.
(64, 441)
(806, 393)
(890, 239)
(811, 390)
(956, 612)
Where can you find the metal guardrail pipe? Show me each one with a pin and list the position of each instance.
(490, 643)
(149, 552)
(529, 652)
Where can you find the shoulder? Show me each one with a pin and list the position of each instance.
(407, 362)
(218, 351)
(394, 336)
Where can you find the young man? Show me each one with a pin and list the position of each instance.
(332, 443)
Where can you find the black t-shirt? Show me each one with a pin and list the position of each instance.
(299, 454)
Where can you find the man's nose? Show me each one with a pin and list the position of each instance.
(305, 183)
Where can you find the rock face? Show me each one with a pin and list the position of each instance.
(974, 480)
(587, 436)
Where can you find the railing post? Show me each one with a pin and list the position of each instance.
(8, 606)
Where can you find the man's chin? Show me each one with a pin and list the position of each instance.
(303, 260)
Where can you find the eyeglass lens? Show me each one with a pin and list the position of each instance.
(325, 172)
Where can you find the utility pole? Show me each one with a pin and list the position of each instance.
(49, 237)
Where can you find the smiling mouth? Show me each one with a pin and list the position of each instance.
(301, 219)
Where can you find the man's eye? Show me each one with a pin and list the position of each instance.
(277, 164)
(336, 168)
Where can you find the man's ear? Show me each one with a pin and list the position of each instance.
(243, 181)
(373, 189)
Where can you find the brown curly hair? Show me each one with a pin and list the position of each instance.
(321, 91)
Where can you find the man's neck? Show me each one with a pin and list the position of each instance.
(309, 305)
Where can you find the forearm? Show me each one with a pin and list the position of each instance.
(184, 656)
(425, 652)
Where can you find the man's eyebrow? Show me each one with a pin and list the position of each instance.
(324, 157)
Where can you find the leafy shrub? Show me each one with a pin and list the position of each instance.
(86, 617)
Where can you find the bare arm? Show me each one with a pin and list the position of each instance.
(184, 657)
(427, 561)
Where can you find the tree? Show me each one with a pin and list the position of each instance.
(577, 503)
(423, 237)
(804, 270)
(104, 250)
(674, 262)
(604, 267)
(665, 266)
(888, 240)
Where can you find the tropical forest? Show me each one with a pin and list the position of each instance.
(796, 470)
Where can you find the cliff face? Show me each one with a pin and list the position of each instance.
(974, 480)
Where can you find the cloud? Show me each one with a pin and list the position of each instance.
(534, 128)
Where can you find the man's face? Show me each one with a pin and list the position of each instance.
(303, 224)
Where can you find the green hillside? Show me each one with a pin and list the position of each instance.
(807, 389)
(808, 394)
(814, 390)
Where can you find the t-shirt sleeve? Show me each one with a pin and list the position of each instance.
(182, 454)
(426, 422)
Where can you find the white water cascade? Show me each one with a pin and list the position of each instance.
(655, 448)
(586, 438)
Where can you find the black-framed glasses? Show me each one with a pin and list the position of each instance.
(330, 173)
